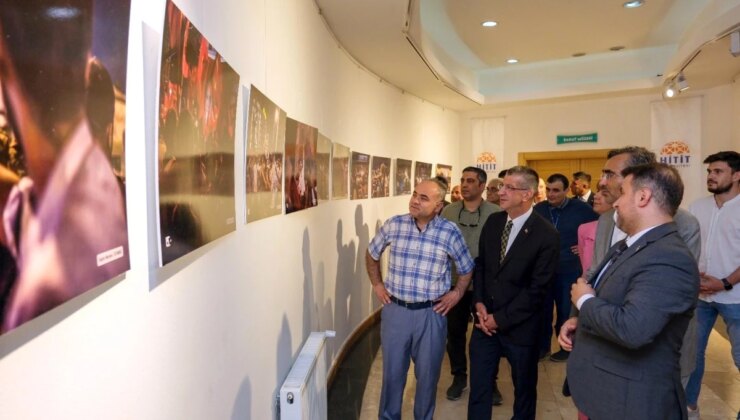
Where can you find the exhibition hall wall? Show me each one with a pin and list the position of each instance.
(213, 334)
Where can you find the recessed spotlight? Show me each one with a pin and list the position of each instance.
(579, 54)
(669, 91)
(512, 61)
(489, 24)
(633, 4)
(617, 48)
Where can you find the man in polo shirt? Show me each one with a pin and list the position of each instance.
(416, 295)
(470, 215)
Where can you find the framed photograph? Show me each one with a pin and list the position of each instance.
(422, 171)
(380, 181)
(300, 166)
(403, 177)
(445, 171)
(62, 143)
(323, 167)
(359, 175)
(339, 172)
(197, 118)
(265, 146)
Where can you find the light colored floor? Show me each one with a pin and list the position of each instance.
(719, 399)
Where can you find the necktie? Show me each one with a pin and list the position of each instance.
(505, 239)
(621, 246)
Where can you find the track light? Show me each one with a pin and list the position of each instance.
(669, 91)
(735, 44)
(681, 82)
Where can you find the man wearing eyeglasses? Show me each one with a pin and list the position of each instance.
(469, 214)
(416, 296)
(517, 258)
(492, 190)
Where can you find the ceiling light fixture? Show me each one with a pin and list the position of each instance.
(617, 48)
(579, 54)
(489, 24)
(681, 82)
(669, 91)
(512, 61)
(633, 4)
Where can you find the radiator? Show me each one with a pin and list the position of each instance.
(303, 395)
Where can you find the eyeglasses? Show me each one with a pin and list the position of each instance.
(608, 174)
(459, 218)
(512, 188)
(492, 189)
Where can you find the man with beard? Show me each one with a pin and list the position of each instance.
(719, 218)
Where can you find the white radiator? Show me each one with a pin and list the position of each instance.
(303, 395)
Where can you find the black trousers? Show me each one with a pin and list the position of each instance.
(485, 354)
(457, 329)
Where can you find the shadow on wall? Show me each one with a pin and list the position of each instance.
(243, 401)
(317, 313)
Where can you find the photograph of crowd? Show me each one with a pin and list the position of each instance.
(339, 171)
(323, 167)
(381, 177)
(359, 175)
(62, 174)
(265, 145)
(300, 166)
(197, 118)
(445, 171)
(422, 171)
(403, 177)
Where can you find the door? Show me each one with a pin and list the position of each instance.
(566, 163)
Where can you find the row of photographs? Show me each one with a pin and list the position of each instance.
(311, 167)
(63, 168)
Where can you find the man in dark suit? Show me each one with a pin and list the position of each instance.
(518, 256)
(580, 187)
(634, 313)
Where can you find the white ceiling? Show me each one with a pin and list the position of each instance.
(438, 51)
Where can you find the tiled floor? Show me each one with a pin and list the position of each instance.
(719, 400)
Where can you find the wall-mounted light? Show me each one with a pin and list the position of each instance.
(735, 44)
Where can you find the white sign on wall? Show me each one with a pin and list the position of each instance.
(676, 140)
(488, 144)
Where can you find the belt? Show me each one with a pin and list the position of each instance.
(412, 305)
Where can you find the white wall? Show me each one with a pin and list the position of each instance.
(619, 120)
(213, 334)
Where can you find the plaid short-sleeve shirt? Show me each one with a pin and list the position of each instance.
(419, 267)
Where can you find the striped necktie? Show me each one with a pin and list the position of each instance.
(505, 239)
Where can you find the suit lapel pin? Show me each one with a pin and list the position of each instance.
(526, 231)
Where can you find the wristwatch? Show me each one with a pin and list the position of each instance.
(728, 285)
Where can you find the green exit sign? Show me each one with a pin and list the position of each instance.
(578, 138)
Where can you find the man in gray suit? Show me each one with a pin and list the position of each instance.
(608, 234)
(635, 311)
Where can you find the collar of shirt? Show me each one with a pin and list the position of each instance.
(632, 239)
(517, 225)
(586, 196)
(618, 234)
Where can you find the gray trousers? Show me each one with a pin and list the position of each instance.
(406, 335)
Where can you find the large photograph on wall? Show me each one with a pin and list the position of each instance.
(197, 116)
(422, 171)
(359, 175)
(380, 183)
(339, 171)
(265, 146)
(403, 177)
(62, 173)
(323, 167)
(300, 166)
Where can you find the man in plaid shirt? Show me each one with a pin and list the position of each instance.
(416, 296)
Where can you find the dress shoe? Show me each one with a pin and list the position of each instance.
(560, 356)
(459, 384)
(497, 398)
